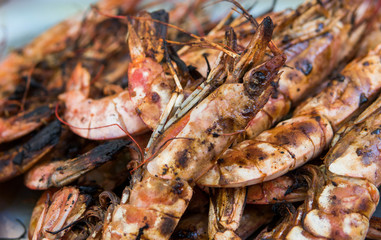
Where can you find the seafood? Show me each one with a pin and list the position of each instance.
(169, 173)
(149, 88)
(294, 141)
(309, 60)
(37, 211)
(60, 173)
(243, 92)
(42, 65)
(287, 188)
(24, 123)
(19, 159)
(225, 214)
(67, 206)
(340, 204)
(52, 41)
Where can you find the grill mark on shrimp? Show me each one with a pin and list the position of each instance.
(284, 150)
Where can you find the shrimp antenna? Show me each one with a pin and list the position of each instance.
(110, 125)
(201, 39)
(64, 228)
(27, 86)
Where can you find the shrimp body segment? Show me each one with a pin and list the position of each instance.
(99, 118)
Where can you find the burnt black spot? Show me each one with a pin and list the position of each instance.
(203, 141)
(140, 233)
(254, 84)
(215, 135)
(18, 159)
(210, 147)
(334, 183)
(275, 94)
(247, 112)
(178, 188)
(340, 78)
(359, 152)
(220, 161)
(366, 63)
(261, 158)
(377, 131)
(286, 39)
(155, 97)
(167, 226)
(190, 234)
(210, 129)
(319, 27)
(317, 118)
(304, 66)
(298, 89)
(183, 158)
(69, 196)
(165, 170)
(275, 84)
(363, 99)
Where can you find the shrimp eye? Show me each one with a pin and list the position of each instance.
(252, 84)
(259, 76)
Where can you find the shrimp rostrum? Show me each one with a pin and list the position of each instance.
(340, 206)
(151, 207)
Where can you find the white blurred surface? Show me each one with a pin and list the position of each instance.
(22, 20)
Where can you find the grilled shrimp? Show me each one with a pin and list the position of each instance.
(153, 206)
(19, 159)
(66, 207)
(60, 173)
(148, 91)
(36, 74)
(24, 123)
(313, 132)
(309, 50)
(51, 42)
(294, 141)
(341, 204)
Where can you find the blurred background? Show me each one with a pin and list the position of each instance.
(22, 20)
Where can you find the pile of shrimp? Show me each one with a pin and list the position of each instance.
(170, 125)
